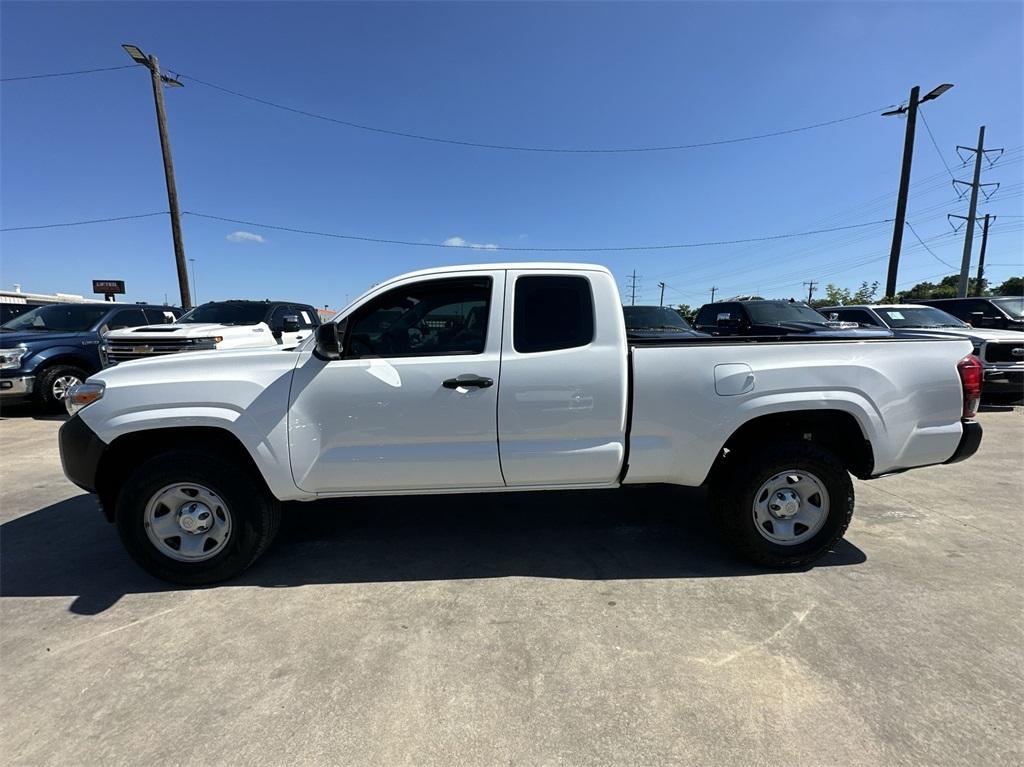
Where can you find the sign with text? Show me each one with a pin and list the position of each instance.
(108, 287)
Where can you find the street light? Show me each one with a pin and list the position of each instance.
(151, 63)
(910, 109)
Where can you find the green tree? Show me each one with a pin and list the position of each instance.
(686, 312)
(1012, 287)
(835, 296)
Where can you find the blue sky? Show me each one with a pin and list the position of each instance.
(576, 75)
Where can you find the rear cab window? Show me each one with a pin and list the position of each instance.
(552, 312)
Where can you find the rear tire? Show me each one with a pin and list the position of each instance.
(785, 505)
(52, 385)
(240, 517)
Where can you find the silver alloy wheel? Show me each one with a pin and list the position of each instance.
(61, 385)
(187, 522)
(791, 507)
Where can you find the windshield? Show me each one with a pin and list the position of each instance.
(653, 318)
(227, 314)
(919, 317)
(73, 318)
(1012, 306)
(775, 313)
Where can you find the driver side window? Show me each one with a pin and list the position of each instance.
(436, 317)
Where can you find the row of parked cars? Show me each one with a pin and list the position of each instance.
(994, 326)
(48, 349)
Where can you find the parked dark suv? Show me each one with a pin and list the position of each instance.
(772, 318)
(45, 351)
(996, 312)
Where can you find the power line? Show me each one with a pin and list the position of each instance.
(517, 148)
(82, 223)
(66, 74)
(596, 249)
(936, 144)
(930, 251)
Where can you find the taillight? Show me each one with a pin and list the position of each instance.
(971, 375)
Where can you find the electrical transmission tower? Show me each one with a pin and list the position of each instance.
(633, 282)
(974, 186)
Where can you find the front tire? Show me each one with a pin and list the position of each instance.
(53, 384)
(193, 518)
(785, 505)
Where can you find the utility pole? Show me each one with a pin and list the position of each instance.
(151, 63)
(632, 289)
(901, 199)
(661, 301)
(810, 289)
(980, 286)
(965, 263)
(713, 289)
(908, 155)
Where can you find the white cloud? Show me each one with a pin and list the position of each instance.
(241, 236)
(458, 242)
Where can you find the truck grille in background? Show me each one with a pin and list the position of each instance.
(1004, 352)
(121, 351)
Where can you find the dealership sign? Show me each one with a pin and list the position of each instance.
(108, 288)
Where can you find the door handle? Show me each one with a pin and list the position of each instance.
(467, 380)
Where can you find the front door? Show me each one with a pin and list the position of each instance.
(413, 403)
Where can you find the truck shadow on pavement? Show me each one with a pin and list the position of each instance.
(68, 549)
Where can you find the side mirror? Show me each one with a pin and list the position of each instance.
(328, 342)
(833, 316)
(290, 324)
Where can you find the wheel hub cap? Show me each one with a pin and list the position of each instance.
(784, 504)
(195, 518)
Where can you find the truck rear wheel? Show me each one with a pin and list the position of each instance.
(194, 518)
(784, 506)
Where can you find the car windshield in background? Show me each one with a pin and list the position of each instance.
(775, 313)
(920, 317)
(653, 318)
(227, 314)
(68, 318)
(1012, 306)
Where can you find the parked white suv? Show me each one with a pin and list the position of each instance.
(215, 325)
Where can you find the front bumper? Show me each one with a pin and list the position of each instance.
(80, 453)
(18, 386)
(969, 442)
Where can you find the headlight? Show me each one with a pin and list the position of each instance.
(80, 395)
(10, 359)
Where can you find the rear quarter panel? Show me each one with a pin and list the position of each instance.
(905, 395)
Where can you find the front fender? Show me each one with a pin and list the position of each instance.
(86, 357)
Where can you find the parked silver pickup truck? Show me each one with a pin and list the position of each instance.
(508, 377)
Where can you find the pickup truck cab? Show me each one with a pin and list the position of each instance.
(53, 347)
(217, 325)
(760, 317)
(508, 377)
(1001, 351)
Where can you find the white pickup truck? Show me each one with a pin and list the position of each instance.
(501, 378)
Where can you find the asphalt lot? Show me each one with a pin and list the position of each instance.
(524, 629)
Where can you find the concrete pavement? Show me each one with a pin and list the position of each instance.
(523, 629)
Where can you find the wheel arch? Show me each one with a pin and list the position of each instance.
(127, 452)
(835, 430)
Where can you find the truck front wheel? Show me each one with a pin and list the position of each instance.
(53, 383)
(195, 518)
(783, 506)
